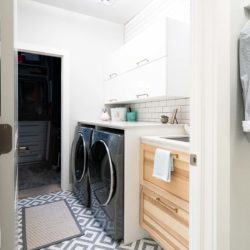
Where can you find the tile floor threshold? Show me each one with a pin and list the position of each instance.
(33, 192)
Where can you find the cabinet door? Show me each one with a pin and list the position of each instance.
(110, 91)
(116, 89)
(179, 49)
(147, 47)
(148, 80)
(114, 65)
(164, 220)
(179, 185)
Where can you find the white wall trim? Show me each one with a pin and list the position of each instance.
(65, 114)
(210, 126)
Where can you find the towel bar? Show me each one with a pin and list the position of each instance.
(175, 156)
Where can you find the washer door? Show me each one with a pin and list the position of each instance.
(80, 158)
(102, 174)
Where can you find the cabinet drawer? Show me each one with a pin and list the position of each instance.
(36, 152)
(179, 184)
(34, 137)
(32, 126)
(164, 220)
(33, 147)
(34, 157)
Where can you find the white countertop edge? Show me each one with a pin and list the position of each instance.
(127, 125)
(157, 141)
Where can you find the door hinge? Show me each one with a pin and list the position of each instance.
(5, 138)
(193, 160)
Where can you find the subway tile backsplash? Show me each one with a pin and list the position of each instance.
(151, 111)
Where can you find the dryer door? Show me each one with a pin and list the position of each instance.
(79, 158)
(102, 174)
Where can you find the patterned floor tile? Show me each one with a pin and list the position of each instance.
(94, 237)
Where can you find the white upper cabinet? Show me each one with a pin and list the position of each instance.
(154, 64)
(148, 80)
(179, 59)
(146, 47)
(114, 65)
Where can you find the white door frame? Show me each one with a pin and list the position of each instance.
(210, 125)
(65, 103)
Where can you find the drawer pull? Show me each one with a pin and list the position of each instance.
(142, 62)
(113, 100)
(111, 76)
(172, 208)
(142, 95)
(23, 148)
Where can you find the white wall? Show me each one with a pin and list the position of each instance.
(240, 146)
(156, 10)
(87, 42)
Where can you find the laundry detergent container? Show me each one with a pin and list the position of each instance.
(118, 114)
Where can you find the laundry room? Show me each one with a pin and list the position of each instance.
(124, 125)
(105, 87)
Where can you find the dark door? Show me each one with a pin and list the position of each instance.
(102, 175)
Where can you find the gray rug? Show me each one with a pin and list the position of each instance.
(37, 175)
(44, 225)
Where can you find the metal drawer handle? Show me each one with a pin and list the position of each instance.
(172, 208)
(23, 148)
(142, 95)
(113, 75)
(142, 62)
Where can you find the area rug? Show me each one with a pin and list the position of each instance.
(48, 224)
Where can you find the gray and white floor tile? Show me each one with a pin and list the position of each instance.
(94, 237)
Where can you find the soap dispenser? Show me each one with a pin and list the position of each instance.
(105, 115)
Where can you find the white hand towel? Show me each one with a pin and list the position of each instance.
(246, 126)
(163, 165)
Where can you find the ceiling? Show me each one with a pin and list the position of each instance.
(119, 11)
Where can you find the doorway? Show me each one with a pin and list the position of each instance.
(39, 124)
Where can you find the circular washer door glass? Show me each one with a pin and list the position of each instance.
(80, 158)
(102, 175)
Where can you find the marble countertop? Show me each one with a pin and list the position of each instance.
(127, 125)
(159, 141)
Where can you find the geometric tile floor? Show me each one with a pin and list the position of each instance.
(94, 237)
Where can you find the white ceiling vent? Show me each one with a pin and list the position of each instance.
(107, 2)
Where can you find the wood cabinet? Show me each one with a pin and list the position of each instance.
(164, 211)
(155, 63)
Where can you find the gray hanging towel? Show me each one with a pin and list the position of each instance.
(244, 54)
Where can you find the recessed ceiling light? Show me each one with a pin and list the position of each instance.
(107, 2)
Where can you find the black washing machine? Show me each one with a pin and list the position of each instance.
(107, 181)
(80, 163)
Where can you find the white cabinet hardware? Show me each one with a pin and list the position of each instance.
(113, 75)
(141, 95)
(142, 62)
(113, 100)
